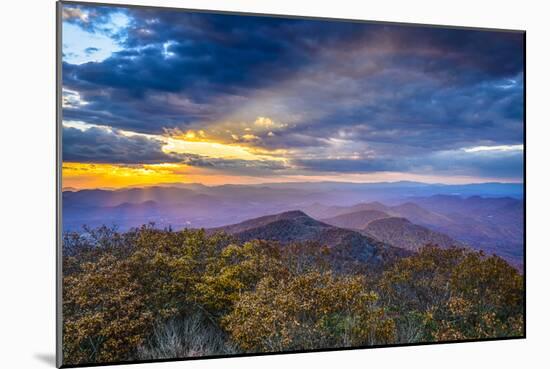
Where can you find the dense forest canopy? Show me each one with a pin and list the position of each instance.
(151, 293)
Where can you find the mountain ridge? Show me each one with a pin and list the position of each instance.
(296, 226)
(401, 232)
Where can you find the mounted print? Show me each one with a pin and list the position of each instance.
(238, 184)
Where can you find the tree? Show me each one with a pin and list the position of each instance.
(309, 311)
(450, 294)
(150, 293)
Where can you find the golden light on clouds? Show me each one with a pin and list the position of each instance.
(199, 142)
(86, 175)
(250, 137)
(210, 149)
(189, 135)
(269, 124)
(233, 131)
(192, 142)
(247, 147)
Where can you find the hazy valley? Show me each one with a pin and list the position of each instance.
(404, 214)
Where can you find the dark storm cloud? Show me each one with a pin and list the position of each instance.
(412, 91)
(94, 19)
(203, 57)
(207, 56)
(98, 145)
(237, 166)
(102, 145)
(91, 50)
(496, 164)
(420, 115)
(462, 56)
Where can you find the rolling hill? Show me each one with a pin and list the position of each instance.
(492, 224)
(320, 211)
(296, 226)
(357, 220)
(486, 222)
(402, 233)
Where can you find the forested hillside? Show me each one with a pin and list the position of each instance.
(151, 293)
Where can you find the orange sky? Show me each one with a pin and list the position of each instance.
(85, 175)
(101, 175)
(353, 105)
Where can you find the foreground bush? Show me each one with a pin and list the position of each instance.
(308, 311)
(150, 293)
(187, 336)
(453, 294)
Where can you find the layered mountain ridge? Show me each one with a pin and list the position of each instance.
(296, 226)
(492, 223)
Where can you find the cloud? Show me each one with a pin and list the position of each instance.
(106, 20)
(508, 164)
(207, 67)
(102, 145)
(403, 95)
(71, 99)
(236, 166)
(91, 50)
(505, 164)
(268, 124)
(495, 148)
(419, 115)
(74, 13)
(250, 137)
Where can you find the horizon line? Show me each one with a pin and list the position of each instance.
(176, 184)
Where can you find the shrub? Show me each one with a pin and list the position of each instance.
(187, 336)
(308, 311)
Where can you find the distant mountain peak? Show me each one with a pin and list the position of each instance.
(356, 220)
(400, 232)
(408, 205)
(394, 220)
(296, 226)
(374, 203)
(291, 214)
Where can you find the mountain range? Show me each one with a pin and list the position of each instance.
(494, 225)
(296, 226)
(403, 214)
(394, 230)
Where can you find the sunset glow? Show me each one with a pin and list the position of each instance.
(340, 103)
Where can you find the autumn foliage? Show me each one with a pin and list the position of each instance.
(151, 293)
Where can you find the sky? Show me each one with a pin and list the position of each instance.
(157, 96)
